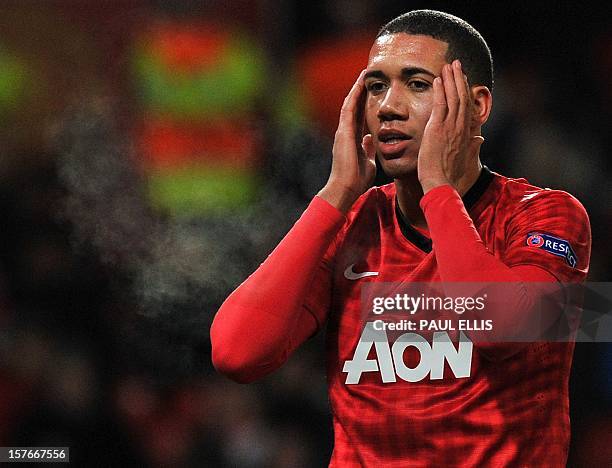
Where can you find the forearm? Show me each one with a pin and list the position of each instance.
(462, 257)
(263, 320)
(460, 253)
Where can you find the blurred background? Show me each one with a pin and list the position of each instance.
(152, 153)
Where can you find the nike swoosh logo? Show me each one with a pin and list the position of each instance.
(351, 275)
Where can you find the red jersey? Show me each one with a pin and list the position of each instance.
(511, 412)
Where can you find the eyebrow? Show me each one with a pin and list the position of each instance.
(406, 73)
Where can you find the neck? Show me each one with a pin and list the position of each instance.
(409, 193)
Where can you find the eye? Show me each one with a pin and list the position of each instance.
(419, 85)
(375, 87)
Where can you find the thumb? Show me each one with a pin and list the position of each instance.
(367, 144)
(475, 143)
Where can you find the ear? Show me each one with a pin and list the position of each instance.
(482, 101)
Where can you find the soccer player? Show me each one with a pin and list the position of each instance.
(425, 95)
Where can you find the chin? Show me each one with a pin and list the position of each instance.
(399, 168)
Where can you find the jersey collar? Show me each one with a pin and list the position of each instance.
(469, 200)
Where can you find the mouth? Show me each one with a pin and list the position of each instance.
(392, 142)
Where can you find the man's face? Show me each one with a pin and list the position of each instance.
(399, 83)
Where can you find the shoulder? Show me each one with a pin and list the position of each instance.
(371, 213)
(375, 202)
(541, 225)
(519, 197)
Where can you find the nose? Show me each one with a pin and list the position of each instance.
(392, 106)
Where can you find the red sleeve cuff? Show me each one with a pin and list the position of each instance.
(438, 194)
(325, 212)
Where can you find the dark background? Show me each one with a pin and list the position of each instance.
(107, 294)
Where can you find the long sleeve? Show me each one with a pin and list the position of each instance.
(461, 256)
(460, 253)
(282, 303)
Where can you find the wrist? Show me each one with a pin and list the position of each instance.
(431, 183)
(339, 197)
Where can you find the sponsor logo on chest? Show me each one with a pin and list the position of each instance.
(389, 359)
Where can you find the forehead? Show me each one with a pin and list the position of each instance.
(407, 49)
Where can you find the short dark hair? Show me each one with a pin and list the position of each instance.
(464, 42)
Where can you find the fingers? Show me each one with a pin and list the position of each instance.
(439, 108)
(456, 92)
(351, 108)
(450, 89)
(463, 92)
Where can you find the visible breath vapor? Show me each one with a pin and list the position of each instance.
(178, 266)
